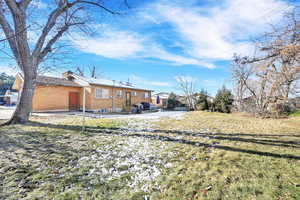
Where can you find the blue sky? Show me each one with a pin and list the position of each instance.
(156, 41)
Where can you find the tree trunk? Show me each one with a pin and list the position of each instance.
(22, 112)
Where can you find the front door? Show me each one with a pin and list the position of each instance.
(73, 101)
(128, 99)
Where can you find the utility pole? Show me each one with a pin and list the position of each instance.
(112, 97)
(83, 111)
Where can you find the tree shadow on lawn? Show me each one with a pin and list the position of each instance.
(37, 145)
(215, 136)
(35, 160)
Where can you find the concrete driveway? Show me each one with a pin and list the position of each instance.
(152, 115)
(6, 112)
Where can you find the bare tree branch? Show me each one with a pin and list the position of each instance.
(48, 27)
(187, 86)
(10, 36)
(24, 3)
(99, 5)
(53, 40)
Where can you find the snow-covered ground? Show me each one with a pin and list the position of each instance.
(6, 111)
(127, 157)
(152, 115)
(138, 157)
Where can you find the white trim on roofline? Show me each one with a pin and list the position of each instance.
(88, 82)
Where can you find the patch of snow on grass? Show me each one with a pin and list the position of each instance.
(138, 159)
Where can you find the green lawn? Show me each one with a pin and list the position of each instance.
(296, 113)
(200, 156)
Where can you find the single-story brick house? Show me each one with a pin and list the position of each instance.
(67, 93)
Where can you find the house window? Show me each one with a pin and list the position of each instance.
(119, 93)
(101, 93)
(145, 95)
(133, 94)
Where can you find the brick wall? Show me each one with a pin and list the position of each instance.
(53, 98)
(118, 101)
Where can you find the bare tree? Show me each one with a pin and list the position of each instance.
(15, 20)
(272, 76)
(252, 86)
(187, 86)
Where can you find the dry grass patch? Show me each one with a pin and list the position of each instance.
(200, 156)
(231, 156)
(231, 123)
(45, 160)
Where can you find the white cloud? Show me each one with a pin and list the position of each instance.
(139, 80)
(221, 30)
(112, 44)
(205, 34)
(126, 44)
(160, 53)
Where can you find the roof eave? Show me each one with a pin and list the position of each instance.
(45, 84)
(121, 87)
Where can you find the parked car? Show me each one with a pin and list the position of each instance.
(146, 105)
(136, 108)
(153, 107)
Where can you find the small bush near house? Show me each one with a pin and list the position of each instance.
(223, 100)
(173, 101)
(283, 109)
(295, 113)
(202, 102)
(280, 110)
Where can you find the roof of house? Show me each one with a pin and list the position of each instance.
(47, 80)
(163, 95)
(4, 88)
(107, 82)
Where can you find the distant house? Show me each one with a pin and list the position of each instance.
(161, 99)
(67, 93)
(11, 97)
(295, 102)
(2, 93)
(3, 89)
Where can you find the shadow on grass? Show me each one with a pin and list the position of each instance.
(40, 161)
(215, 136)
(37, 145)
